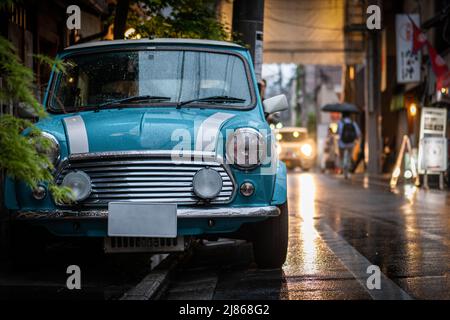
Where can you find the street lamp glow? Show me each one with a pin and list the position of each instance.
(131, 34)
(351, 73)
(413, 109)
(279, 125)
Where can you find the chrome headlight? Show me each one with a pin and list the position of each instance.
(207, 183)
(80, 184)
(246, 148)
(53, 152)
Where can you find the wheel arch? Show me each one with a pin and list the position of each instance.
(279, 196)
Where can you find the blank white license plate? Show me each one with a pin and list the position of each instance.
(127, 219)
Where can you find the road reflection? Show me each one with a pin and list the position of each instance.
(303, 247)
(404, 232)
(308, 234)
(410, 192)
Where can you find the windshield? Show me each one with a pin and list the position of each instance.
(92, 80)
(291, 136)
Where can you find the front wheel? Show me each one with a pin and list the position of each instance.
(270, 240)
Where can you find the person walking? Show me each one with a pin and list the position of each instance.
(348, 132)
(331, 152)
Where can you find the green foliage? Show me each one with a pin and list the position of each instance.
(177, 19)
(7, 3)
(56, 63)
(18, 153)
(61, 194)
(23, 156)
(17, 79)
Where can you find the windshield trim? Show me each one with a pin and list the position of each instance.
(204, 105)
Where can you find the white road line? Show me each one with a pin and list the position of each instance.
(357, 264)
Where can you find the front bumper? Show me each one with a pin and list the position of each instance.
(226, 212)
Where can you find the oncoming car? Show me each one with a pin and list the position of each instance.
(160, 141)
(295, 148)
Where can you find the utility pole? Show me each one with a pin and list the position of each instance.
(248, 20)
(373, 139)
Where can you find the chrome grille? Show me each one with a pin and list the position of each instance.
(144, 178)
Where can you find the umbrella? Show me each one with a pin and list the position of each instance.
(340, 107)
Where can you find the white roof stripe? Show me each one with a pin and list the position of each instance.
(153, 42)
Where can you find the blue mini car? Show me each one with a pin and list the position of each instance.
(160, 141)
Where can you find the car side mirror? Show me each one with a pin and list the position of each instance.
(26, 111)
(275, 104)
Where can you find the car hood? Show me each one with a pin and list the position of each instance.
(143, 128)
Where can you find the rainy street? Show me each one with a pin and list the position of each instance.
(225, 158)
(337, 229)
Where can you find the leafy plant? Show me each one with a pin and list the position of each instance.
(195, 19)
(23, 156)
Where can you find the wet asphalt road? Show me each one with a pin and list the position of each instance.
(338, 229)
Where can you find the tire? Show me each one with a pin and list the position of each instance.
(270, 240)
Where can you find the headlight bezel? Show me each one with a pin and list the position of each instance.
(55, 145)
(231, 150)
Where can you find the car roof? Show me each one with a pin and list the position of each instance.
(168, 41)
(290, 129)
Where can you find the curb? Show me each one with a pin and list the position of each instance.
(155, 284)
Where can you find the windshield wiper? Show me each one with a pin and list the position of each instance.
(214, 99)
(131, 99)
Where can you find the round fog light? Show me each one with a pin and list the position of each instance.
(247, 189)
(39, 192)
(80, 183)
(207, 183)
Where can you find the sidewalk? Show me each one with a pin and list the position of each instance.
(383, 180)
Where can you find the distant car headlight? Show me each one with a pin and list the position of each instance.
(279, 149)
(53, 152)
(207, 183)
(306, 149)
(80, 184)
(246, 148)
